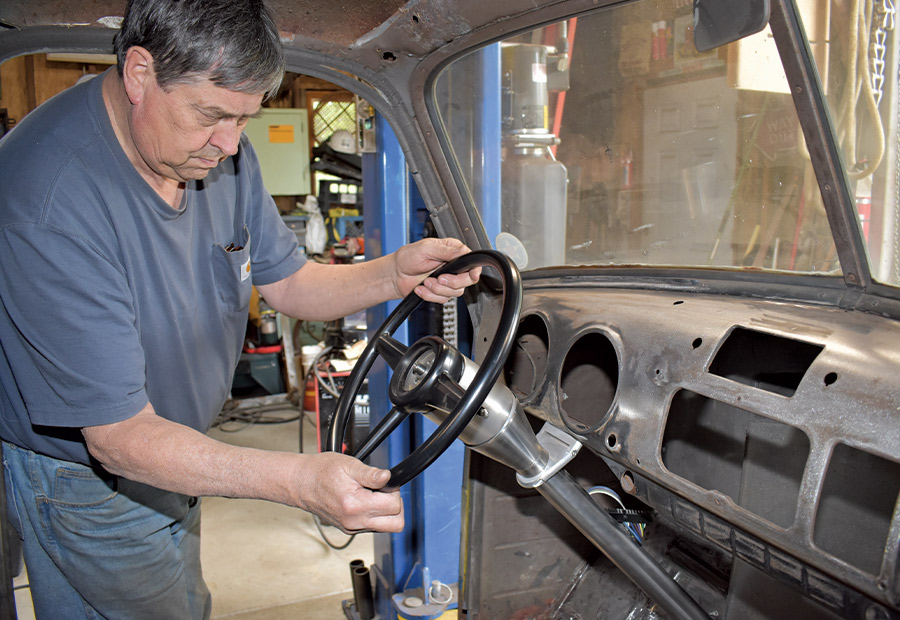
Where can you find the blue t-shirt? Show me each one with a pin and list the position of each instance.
(109, 297)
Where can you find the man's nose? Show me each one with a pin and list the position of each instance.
(226, 137)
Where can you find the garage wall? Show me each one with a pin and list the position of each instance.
(28, 81)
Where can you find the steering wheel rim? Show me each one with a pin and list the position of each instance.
(470, 400)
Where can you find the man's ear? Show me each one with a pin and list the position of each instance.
(137, 73)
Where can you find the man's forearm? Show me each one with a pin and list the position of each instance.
(149, 449)
(325, 292)
(170, 456)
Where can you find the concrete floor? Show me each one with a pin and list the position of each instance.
(264, 561)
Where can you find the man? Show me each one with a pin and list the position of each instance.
(134, 223)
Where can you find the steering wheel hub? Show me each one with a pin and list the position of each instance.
(417, 377)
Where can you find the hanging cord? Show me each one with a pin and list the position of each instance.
(862, 89)
(233, 418)
(321, 373)
(336, 547)
(324, 372)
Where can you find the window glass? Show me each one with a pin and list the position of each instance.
(610, 140)
(855, 49)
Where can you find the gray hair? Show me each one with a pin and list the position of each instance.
(233, 43)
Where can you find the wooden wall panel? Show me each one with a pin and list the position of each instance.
(12, 88)
(28, 81)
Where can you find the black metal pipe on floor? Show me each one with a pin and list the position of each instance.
(362, 590)
(583, 512)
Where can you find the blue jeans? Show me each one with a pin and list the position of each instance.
(99, 546)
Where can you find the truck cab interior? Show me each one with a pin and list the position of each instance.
(677, 393)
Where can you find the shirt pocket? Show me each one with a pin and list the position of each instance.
(231, 265)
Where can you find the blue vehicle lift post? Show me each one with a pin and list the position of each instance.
(429, 547)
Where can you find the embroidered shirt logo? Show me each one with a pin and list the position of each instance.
(245, 270)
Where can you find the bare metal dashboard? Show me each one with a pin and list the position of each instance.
(730, 415)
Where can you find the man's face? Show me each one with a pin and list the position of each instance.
(185, 130)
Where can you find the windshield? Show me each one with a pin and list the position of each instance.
(610, 140)
(856, 53)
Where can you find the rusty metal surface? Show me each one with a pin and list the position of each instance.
(394, 28)
(340, 21)
(335, 24)
(30, 13)
(665, 342)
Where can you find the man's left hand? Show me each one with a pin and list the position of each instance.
(415, 261)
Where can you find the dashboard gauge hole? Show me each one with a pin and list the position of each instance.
(756, 461)
(526, 366)
(764, 361)
(588, 382)
(860, 488)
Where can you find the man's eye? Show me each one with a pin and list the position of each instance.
(208, 119)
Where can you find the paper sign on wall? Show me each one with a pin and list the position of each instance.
(281, 134)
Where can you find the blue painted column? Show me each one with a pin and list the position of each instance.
(385, 198)
(488, 142)
(428, 548)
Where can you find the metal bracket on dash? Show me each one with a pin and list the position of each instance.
(561, 448)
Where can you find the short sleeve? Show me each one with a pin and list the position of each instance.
(74, 349)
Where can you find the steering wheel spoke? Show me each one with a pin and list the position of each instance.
(391, 421)
(451, 392)
(391, 349)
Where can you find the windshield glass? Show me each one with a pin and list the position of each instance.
(855, 49)
(610, 140)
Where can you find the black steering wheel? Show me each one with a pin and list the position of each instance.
(427, 374)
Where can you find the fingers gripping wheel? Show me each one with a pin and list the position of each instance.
(426, 374)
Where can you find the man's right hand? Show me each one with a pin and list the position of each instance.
(346, 493)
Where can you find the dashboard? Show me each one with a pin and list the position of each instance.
(764, 428)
